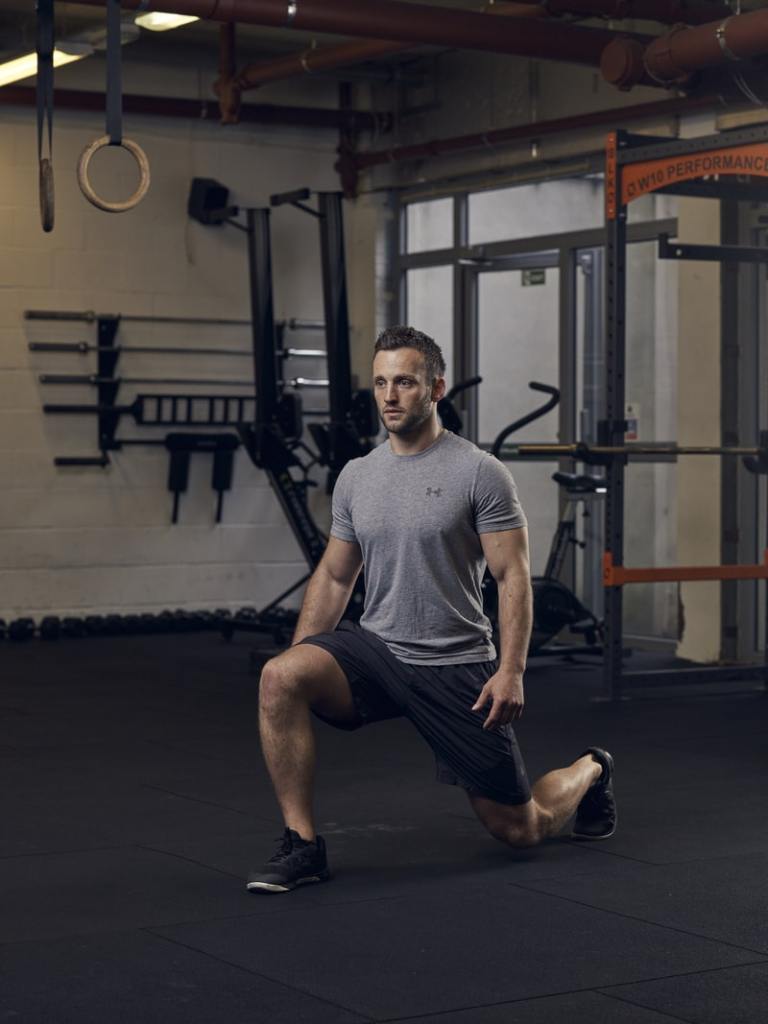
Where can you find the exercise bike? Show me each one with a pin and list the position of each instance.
(555, 606)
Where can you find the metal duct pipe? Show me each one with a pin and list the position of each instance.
(320, 59)
(525, 132)
(330, 57)
(674, 57)
(669, 12)
(410, 22)
(261, 113)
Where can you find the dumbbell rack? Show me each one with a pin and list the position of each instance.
(53, 627)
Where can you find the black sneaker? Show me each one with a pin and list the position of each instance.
(596, 814)
(297, 862)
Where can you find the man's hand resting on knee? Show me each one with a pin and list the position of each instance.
(504, 690)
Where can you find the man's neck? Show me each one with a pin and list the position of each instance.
(418, 441)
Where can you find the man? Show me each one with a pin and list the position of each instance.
(423, 512)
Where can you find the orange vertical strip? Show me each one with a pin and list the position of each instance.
(611, 176)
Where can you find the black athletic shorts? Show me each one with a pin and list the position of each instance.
(438, 700)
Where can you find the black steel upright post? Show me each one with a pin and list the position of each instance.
(334, 272)
(262, 314)
(266, 444)
(614, 426)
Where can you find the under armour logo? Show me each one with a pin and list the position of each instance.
(437, 491)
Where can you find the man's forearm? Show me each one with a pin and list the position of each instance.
(324, 602)
(515, 622)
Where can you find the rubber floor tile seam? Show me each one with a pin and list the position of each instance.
(503, 1003)
(631, 1002)
(195, 799)
(189, 860)
(606, 989)
(594, 850)
(641, 920)
(258, 974)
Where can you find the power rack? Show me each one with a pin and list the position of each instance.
(733, 164)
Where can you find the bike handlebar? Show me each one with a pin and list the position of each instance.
(552, 401)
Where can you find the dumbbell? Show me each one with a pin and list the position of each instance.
(73, 626)
(183, 621)
(21, 630)
(112, 625)
(165, 622)
(50, 628)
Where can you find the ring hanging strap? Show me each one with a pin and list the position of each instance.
(45, 109)
(114, 125)
(114, 75)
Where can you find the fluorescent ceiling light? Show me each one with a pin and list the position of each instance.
(26, 66)
(159, 21)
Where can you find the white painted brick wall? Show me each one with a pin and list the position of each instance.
(87, 540)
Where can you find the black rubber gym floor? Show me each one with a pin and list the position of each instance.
(134, 801)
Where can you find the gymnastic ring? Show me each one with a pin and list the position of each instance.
(45, 184)
(87, 189)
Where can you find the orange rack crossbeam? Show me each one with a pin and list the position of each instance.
(618, 575)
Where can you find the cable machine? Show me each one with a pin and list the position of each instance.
(274, 439)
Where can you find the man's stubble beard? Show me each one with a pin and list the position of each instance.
(411, 421)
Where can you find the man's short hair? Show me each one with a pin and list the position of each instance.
(408, 337)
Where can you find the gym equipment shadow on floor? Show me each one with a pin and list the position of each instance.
(134, 801)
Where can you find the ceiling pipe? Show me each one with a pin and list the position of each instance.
(229, 95)
(669, 12)
(408, 22)
(534, 131)
(205, 110)
(308, 62)
(326, 58)
(675, 57)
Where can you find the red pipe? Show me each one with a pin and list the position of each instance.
(330, 57)
(524, 132)
(674, 57)
(205, 110)
(224, 87)
(410, 22)
(669, 12)
(320, 59)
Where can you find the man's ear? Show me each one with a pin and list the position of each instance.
(438, 389)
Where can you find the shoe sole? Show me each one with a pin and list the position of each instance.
(273, 887)
(587, 838)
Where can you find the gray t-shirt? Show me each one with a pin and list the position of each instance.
(417, 519)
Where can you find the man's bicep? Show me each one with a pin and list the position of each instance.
(506, 552)
(342, 560)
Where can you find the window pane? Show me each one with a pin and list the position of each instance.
(547, 208)
(430, 308)
(517, 334)
(429, 225)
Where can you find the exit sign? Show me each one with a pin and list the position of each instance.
(534, 277)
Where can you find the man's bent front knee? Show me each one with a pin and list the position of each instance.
(278, 685)
(308, 675)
